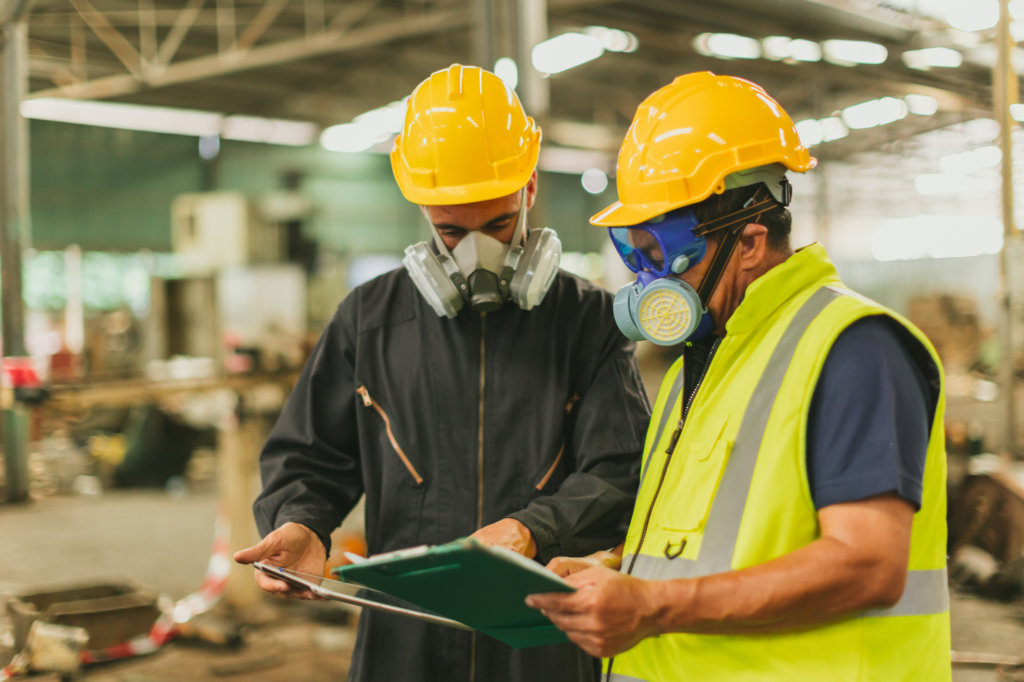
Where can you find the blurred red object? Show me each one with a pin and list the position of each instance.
(341, 542)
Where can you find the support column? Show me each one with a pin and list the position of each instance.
(1005, 89)
(534, 91)
(484, 33)
(238, 445)
(14, 238)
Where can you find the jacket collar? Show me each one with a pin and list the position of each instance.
(808, 268)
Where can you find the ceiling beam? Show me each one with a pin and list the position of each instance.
(113, 39)
(264, 56)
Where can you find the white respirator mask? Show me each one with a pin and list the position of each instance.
(483, 271)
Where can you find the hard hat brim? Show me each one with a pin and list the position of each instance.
(466, 194)
(624, 215)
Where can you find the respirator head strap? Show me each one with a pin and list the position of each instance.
(447, 261)
(515, 252)
(733, 224)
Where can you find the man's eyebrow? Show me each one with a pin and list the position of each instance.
(493, 222)
(501, 219)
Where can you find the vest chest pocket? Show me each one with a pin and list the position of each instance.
(693, 490)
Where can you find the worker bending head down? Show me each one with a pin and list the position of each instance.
(790, 524)
(466, 393)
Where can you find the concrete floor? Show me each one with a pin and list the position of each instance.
(165, 543)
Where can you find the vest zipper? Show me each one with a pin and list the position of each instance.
(370, 402)
(670, 450)
(684, 411)
(479, 467)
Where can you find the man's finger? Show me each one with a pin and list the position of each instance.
(266, 547)
(556, 601)
(270, 584)
(588, 576)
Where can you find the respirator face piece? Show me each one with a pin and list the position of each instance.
(485, 272)
(661, 309)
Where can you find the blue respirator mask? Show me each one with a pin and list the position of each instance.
(659, 307)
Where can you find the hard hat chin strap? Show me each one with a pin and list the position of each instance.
(733, 224)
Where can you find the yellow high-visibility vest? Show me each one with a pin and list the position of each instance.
(734, 493)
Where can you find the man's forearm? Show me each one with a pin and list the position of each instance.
(819, 583)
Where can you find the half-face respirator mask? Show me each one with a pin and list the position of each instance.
(483, 271)
(659, 307)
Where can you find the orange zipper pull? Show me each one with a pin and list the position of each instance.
(367, 400)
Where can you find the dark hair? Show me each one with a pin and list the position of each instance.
(778, 220)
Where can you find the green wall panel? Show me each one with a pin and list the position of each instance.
(111, 190)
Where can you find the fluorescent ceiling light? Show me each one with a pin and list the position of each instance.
(874, 113)
(727, 46)
(367, 129)
(1017, 112)
(921, 105)
(612, 39)
(1017, 9)
(833, 128)
(124, 116)
(936, 236)
(946, 184)
(974, 160)
(506, 69)
(847, 52)
(171, 121)
(814, 132)
(781, 47)
(973, 15)
(810, 132)
(565, 51)
(594, 180)
(932, 57)
(348, 137)
(268, 130)
(573, 161)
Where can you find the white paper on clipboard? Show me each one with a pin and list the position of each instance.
(356, 595)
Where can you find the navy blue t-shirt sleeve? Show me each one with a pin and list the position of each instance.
(870, 416)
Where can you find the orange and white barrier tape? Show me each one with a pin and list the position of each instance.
(167, 625)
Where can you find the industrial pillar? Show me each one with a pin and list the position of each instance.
(1005, 89)
(238, 479)
(534, 91)
(14, 236)
(484, 31)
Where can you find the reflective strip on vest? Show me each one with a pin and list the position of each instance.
(666, 414)
(926, 592)
(615, 677)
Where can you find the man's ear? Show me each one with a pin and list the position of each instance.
(753, 246)
(531, 190)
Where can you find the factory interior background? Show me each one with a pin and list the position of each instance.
(191, 187)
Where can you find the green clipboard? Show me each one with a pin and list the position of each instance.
(479, 586)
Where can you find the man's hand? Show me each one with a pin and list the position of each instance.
(291, 546)
(508, 533)
(565, 566)
(609, 613)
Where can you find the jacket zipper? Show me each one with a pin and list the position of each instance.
(370, 402)
(670, 450)
(479, 466)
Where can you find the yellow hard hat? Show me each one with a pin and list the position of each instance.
(466, 138)
(687, 137)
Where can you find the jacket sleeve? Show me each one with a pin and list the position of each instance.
(310, 464)
(592, 508)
